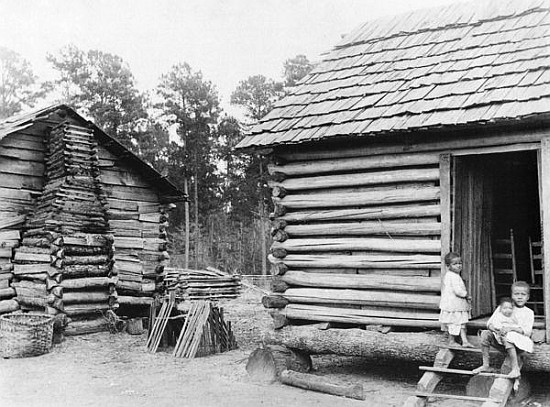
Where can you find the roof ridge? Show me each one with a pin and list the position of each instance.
(438, 18)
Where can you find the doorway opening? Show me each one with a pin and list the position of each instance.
(496, 215)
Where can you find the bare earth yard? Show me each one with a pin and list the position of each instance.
(115, 369)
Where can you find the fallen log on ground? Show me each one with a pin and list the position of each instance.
(420, 347)
(321, 384)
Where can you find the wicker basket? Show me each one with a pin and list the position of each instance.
(23, 335)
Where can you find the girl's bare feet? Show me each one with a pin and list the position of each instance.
(467, 345)
(514, 373)
(482, 368)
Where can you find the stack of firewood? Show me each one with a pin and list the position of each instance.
(64, 263)
(209, 284)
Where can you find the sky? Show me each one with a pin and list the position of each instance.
(227, 40)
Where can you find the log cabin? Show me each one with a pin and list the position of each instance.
(416, 135)
(82, 220)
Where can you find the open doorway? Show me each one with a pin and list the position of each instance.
(496, 214)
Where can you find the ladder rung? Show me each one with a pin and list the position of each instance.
(460, 371)
(455, 397)
(502, 256)
(504, 271)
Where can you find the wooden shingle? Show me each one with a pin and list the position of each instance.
(466, 63)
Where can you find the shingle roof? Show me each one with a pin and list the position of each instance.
(468, 63)
(50, 115)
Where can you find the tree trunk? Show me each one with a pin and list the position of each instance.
(419, 347)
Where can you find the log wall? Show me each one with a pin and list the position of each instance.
(56, 243)
(359, 231)
(138, 222)
(21, 182)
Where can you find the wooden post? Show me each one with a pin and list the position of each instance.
(544, 183)
(186, 209)
(445, 202)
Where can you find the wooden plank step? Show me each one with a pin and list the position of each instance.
(455, 397)
(460, 371)
(460, 348)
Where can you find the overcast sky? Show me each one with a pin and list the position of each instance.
(228, 40)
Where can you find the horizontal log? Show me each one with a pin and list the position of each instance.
(83, 309)
(136, 286)
(9, 235)
(6, 252)
(94, 240)
(79, 297)
(353, 164)
(321, 384)
(362, 281)
(367, 315)
(8, 306)
(274, 301)
(32, 285)
(365, 229)
(31, 300)
(86, 270)
(86, 260)
(417, 347)
(86, 326)
(33, 257)
(87, 282)
(36, 268)
(357, 179)
(35, 276)
(367, 198)
(129, 300)
(361, 261)
(358, 244)
(361, 297)
(386, 212)
(7, 293)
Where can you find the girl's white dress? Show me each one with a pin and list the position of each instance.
(455, 308)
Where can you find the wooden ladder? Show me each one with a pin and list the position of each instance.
(498, 394)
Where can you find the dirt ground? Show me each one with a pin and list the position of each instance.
(115, 369)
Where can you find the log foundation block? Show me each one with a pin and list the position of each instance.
(320, 384)
(266, 364)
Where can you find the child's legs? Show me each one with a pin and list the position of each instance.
(464, 337)
(454, 331)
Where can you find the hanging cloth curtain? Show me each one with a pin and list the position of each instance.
(472, 229)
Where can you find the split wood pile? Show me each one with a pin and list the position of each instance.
(64, 262)
(356, 239)
(138, 222)
(209, 284)
(204, 330)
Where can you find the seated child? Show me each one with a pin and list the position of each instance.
(513, 337)
(504, 321)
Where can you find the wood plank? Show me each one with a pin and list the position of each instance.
(445, 203)
(459, 371)
(21, 181)
(432, 143)
(544, 181)
(15, 166)
(362, 281)
(454, 397)
(369, 198)
(361, 297)
(124, 178)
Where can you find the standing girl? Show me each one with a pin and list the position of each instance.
(455, 302)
